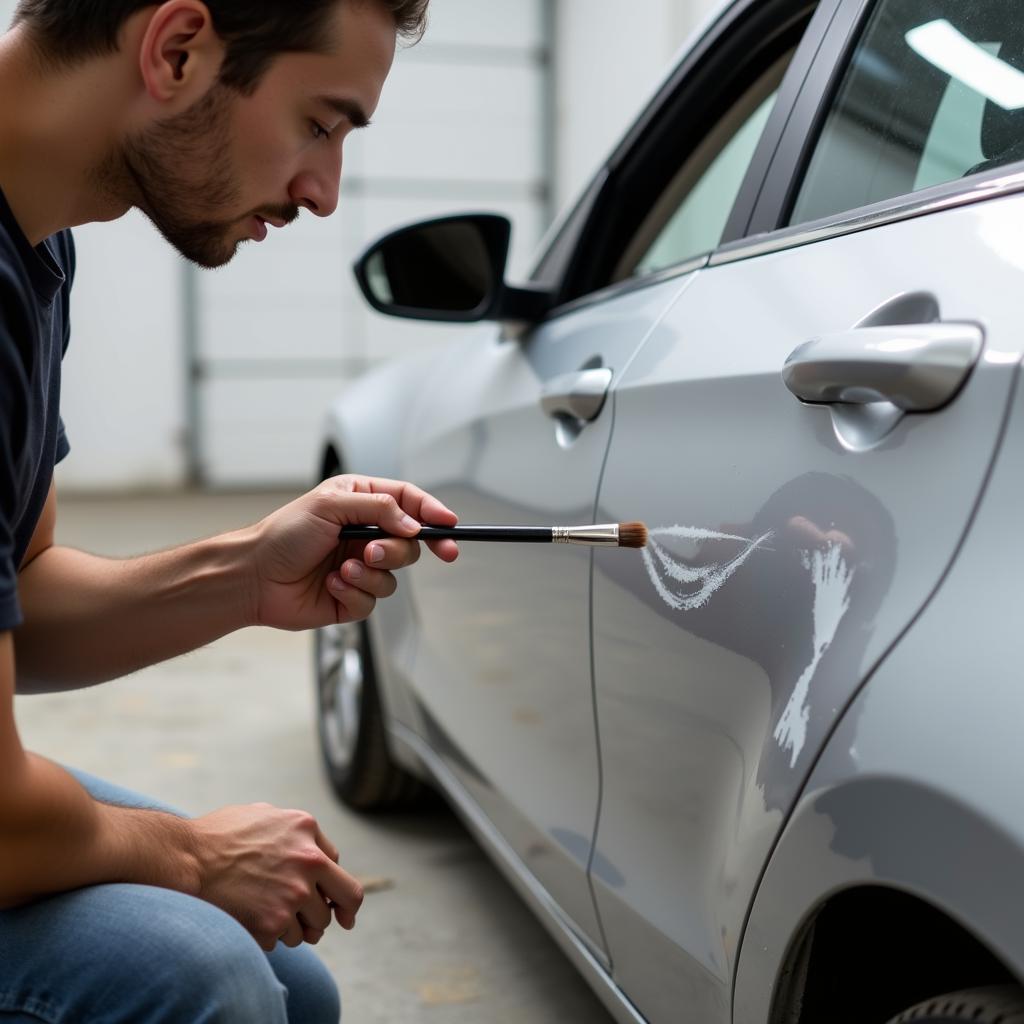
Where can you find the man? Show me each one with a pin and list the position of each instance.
(216, 120)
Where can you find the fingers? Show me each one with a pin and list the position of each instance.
(416, 502)
(357, 586)
(446, 550)
(397, 507)
(315, 913)
(326, 845)
(374, 509)
(371, 581)
(392, 553)
(292, 935)
(344, 892)
(388, 554)
(355, 604)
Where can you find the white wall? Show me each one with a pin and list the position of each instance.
(610, 57)
(123, 398)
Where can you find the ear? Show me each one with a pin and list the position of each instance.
(181, 53)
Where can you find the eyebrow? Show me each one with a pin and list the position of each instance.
(347, 108)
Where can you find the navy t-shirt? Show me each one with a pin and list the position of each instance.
(35, 286)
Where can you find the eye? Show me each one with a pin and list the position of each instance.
(319, 131)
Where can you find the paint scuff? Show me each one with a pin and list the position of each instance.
(831, 578)
(687, 587)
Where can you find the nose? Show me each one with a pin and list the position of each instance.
(316, 186)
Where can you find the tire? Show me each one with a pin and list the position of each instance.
(350, 723)
(997, 1004)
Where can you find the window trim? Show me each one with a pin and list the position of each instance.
(584, 232)
(776, 130)
(810, 109)
(631, 284)
(949, 195)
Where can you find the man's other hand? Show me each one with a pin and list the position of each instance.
(303, 577)
(275, 872)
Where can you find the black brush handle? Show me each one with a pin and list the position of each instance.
(520, 534)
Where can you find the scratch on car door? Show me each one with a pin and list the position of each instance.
(698, 583)
(831, 578)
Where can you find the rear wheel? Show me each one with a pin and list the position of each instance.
(997, 1004)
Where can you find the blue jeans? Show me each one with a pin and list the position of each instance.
(136, 954)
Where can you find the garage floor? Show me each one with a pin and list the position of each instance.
(443, 938)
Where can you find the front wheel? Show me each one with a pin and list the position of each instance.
(996, 1004)
(353, 741)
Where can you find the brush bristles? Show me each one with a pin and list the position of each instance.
(632, 535)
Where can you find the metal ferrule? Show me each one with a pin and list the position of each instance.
(603, 535)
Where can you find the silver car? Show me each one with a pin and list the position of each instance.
(769, 768)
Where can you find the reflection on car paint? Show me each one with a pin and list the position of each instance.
(831, 578)
(665, 571)
(686, 587)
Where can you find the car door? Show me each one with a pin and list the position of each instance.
(519, 434)
(806, 432)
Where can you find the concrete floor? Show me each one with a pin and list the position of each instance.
(445, 939)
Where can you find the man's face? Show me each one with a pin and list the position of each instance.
(218, 173)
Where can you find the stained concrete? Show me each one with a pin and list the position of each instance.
(444, 939)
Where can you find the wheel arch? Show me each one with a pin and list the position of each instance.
(926, 952)
(363, 433)
(871, 874)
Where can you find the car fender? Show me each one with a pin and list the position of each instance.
(367, 423)
(365, 428)
(919, 786)
(878, 831)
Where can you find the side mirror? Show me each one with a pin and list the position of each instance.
(451, 269)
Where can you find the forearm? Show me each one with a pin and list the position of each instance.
(88, 619)
(55, 837)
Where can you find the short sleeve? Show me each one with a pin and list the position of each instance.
(63, 447)
(13, 429)
(67, 244)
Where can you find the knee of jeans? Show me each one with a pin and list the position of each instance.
(201, 965)
(313, 996)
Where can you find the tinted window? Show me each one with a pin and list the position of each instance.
(934, 91)
(691, 213)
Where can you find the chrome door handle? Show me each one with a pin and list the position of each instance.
(916, 367)
(578, 395)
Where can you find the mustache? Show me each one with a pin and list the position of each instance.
(287, 213)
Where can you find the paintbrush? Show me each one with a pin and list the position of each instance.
(622, 535)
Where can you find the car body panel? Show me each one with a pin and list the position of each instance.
(789, 556)
(502, 666)
(914, 790)
(366, 426)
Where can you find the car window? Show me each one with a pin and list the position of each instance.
(934, 92)
(691, 213)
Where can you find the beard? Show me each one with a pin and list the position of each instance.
(179, 172)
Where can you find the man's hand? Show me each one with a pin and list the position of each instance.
(275, 872)
(305, 578)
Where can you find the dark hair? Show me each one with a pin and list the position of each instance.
(254, 31)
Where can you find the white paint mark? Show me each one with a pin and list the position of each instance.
(831, 578)
(667, 572)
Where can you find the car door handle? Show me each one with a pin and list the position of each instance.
(916, 367)
(579, 395)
